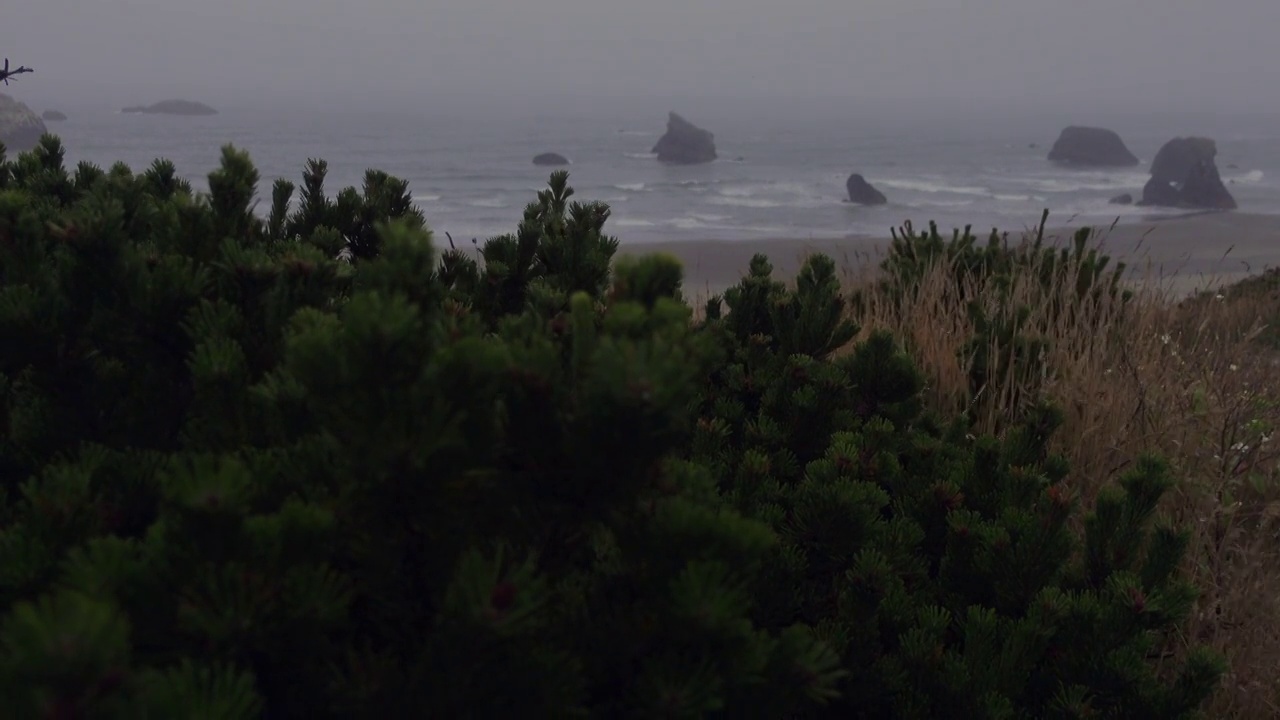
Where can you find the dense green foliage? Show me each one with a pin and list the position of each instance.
(307, 466)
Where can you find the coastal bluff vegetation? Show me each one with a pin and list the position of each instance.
(315, 462)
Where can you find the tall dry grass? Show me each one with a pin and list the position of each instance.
(1189, 379)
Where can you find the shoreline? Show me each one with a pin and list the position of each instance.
(1187, 252)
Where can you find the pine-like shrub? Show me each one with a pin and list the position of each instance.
(307, 466)
(942, 567)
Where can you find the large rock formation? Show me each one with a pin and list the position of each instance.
(20, 126)
(1122, 199)
(685, 143)
(1184, 175)
(1091, 147)
(53, 116)
(862, 193)
(550, 159)
(1180, 155)
(172, 107)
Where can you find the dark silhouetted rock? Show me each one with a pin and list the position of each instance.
(1091, 147)
(1179, 156)
(20, 127)
(685, 143)
(53, 116)
(550, 159)
(861, 192)
(1161, 193)
(1203, 188)
(172, 107)
(1184, 175)
(1125, 199)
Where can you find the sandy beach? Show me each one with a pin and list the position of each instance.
(1186, 252)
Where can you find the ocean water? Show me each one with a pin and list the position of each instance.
(781, 172)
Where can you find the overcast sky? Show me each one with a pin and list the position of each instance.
(1189, 54)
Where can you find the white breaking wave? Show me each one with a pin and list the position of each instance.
(1086, 183)
(934, 187)
(1019, 198)
(631, 222)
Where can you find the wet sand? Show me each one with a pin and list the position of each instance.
(1186, 252)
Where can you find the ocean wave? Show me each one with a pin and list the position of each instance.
(938, 186)
(631, 222)
(744, 201)
(774, 194)
(488, 203)
(631, 187)
(638, 133)
(689, 223)
(641, 156)
(426, 198)
(944, 203)
(1250, 178)
(696, 186)
(1084, 183)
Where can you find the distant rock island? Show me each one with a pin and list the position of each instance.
(20, 127)
(1184, 174)
(53, 116)
(1081, 146)
(550, 159)
(685, 143)
(861, 192)
(172, 107)
(1179, 156)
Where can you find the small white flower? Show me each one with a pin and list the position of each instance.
(1219, 297)
(1234, 367)
(1164, 339)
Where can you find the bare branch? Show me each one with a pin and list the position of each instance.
(6, 73)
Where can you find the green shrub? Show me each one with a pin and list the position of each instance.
(306, 466)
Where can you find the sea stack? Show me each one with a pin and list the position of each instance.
(861, 192)
(685, 143)
(550, 159)
(1184, 174)
(1080, 146)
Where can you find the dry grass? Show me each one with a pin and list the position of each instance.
(1191, 380)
